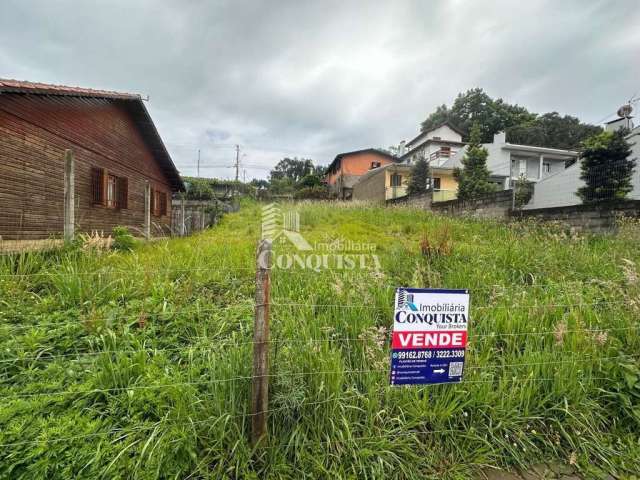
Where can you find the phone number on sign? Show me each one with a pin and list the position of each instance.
(422, 354)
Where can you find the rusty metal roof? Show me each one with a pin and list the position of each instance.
(21, 86)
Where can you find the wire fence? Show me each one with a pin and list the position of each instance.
(335, 349)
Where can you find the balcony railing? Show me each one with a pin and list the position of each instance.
(444, 195)
(395, 192)
(440, 154)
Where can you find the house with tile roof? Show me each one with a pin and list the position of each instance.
(120, 161)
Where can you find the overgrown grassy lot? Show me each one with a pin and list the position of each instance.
(135, 364)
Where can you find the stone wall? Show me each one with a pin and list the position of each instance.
(493, 205)
(598, 218)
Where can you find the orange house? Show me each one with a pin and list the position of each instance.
(348, 167)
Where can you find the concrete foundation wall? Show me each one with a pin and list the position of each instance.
(598, 218)
(493, 205)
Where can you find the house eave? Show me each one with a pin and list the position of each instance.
(543, 150)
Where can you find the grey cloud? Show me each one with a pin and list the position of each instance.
(316, 78)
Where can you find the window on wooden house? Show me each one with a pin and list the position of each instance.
(436, 183)
(158, 203)
(375, 165)
(109, 190)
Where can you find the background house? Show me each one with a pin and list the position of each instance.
(507, 162)
(383, 183)
(117, 151)
(435, 146)
(348, 167)
(559, 189)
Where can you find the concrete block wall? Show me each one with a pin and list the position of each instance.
(415, 201)
(596, 218)
(493, 205)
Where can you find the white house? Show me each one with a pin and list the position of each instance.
(560, 189)
(513, 161)
(435, 146)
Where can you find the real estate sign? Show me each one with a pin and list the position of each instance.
(429, 336)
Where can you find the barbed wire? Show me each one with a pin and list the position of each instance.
(147, 315)
(43, 356)
(288, 374)
(195, 422)
(359, 395)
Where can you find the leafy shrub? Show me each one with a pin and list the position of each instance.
(320, 192)
(524, 191)
(122, 239)
(199, 189)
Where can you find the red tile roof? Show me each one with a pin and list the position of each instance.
(9, 85)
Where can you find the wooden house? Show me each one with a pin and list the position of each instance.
(119, 158)
(347, 168)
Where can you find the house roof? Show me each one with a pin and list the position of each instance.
(391, 166)
(443, 124)
(133, 103)
(615, 120)
(532, 148)
(427, 142)
(336, 161)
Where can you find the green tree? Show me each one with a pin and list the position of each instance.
(441, 115)
(311, 180)
(419, 179)
(198, 189)
(292, 168)
(474, 178)
(552, 130)
(523, 127)
(476, 106)
(606, 167)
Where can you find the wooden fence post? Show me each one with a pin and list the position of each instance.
(183, 227)
(147, 211)
(260, 380)
(69, 196)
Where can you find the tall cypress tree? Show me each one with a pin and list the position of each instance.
(606, 167)
(419, 178)
(474, 178)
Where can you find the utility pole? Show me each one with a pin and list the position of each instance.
(237, 162)
(198, 163)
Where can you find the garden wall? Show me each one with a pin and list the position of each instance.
(493, 205)
(598, 218)
(416, 201)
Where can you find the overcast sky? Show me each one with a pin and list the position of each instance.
(312, 79)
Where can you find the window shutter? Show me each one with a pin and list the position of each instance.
(98, 185)
(105, 186)
(123, 192)
(163, 203)
(153, 201)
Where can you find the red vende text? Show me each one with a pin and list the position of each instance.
(451, 339)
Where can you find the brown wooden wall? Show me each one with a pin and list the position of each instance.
(35, 130)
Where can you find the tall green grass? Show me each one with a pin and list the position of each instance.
(146, 355)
